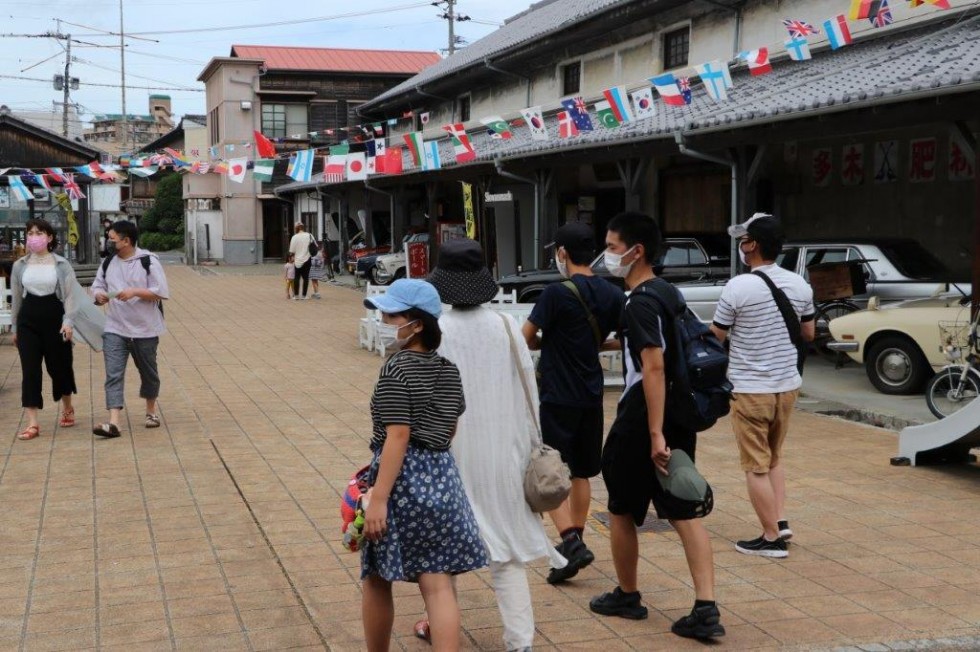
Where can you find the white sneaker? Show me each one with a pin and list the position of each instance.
(295, 298)
(316, 296)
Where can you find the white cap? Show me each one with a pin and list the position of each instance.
(742, 230)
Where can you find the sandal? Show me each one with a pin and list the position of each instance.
(106, 430)
(67, 418)
(30, 432)
(152, 421)
(422, 631)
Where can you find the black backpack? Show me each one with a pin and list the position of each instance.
(144, 261)
(698, 390)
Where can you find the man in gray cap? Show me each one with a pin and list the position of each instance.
(575, 318)
(764, 369)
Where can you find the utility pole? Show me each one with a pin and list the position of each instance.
(452, 17)
(122, 68)
(64, 109)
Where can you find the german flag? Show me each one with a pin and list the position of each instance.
(864, 9)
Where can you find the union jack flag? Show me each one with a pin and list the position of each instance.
(71, 186)
(883, 17)
(799, 28)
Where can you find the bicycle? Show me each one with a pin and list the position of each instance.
(959, 382)
(826, 311)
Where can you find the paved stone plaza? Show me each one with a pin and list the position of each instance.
(220, 530)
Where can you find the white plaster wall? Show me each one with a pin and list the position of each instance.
(196, 221)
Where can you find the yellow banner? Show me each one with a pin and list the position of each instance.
(468, 213)
(65, 203)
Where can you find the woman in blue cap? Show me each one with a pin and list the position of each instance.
(419, 525)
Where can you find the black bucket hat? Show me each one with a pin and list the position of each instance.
(460, 276)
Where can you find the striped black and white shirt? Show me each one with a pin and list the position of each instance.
(762, 358)
(422, 391)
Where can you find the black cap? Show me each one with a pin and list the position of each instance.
(575, 237)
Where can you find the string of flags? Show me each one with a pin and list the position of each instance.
(619, 106)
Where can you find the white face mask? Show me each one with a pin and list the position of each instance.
(613, 262)
(562, 266)
(388, 334)
(741, 256)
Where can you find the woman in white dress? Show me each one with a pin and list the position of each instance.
(493, 441)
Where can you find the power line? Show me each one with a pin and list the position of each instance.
(137, 88)
(227, 28)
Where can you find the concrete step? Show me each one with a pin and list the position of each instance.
(85, 273)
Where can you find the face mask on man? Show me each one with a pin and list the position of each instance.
(562, 266)
(388, 334)
(614, 263)
(110, 247)
(37, 244)
(741, 254)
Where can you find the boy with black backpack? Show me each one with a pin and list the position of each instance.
(132, 282)
(642, 460)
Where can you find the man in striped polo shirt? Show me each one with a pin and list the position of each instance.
(763, 368)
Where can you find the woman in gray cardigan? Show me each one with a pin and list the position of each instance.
(44, 294)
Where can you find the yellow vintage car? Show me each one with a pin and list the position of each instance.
(899, 344)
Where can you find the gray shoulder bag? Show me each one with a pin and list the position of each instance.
(547, 480)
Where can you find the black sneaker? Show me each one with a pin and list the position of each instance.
(702, 622)
(763, 548)
(784, 532)
(617, 603)
(578, 555)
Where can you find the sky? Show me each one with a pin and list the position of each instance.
(173, 61)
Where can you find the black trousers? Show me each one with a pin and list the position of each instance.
(304, 273)
(39, 340)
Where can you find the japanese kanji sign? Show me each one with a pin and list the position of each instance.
(960, 166)
(822, 166)
(922, 160)
(852, 165)
(886, 161)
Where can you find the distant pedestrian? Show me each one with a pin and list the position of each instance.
(133, 284)
(19, 250)
(574, 321)
(289, 273)
(299, 246)
(317, 270)
(44, 296)
(493, 443)
(645, 435)
(418, 521)
(764, 370)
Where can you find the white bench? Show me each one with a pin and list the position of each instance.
(6, 311)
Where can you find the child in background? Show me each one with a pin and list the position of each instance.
(290, 273)
(317, 268)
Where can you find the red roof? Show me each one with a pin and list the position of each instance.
(337, 59)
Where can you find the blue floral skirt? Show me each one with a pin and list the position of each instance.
(431, 527)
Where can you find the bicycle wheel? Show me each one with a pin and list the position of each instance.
(825, 313)
(945, 395)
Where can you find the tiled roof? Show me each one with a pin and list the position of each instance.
(338, 59)
(543, 19)
(930, 60)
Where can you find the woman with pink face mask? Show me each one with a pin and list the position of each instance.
(44, 294)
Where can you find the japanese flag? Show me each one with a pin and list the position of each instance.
(356, 167)
(237, 167)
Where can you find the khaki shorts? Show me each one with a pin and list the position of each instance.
(760, 422)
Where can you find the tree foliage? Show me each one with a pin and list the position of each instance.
(162, 227)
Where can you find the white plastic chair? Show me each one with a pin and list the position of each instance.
(6, 312)
(366, 337)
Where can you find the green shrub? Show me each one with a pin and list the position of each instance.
(162, 227)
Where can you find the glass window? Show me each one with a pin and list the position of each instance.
(788, 258)
(463, 108)
(284, 120)
(677, 254)
(677, 46)
(571, 78)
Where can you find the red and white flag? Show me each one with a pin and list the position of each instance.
(334, 168)
(566, 125)
(758, 61)
(237, 167)
(356, 167)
